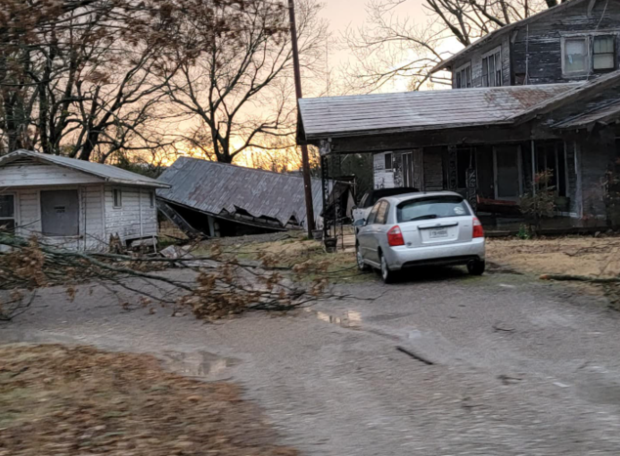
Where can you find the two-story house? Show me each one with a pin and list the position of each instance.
(541, 94)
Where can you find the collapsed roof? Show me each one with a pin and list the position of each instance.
(225, 191)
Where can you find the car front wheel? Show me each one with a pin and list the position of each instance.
(387, 275)
(476, 267)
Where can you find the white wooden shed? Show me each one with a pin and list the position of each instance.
(77, 204)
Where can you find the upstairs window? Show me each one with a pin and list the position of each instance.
(604, 53)
(463, 77)
(575, 55)
(582, 55)
(492, 68)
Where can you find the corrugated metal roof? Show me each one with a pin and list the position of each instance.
(106, 172)
(217, 188)
(504, 30)
(423, 110)
(606, 111)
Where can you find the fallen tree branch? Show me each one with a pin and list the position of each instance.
(213, 287)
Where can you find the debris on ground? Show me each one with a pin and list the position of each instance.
(80, 401)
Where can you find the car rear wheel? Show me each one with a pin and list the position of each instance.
(361, 264)
(476, 267)
(387, 275)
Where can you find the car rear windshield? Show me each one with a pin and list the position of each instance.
(433, 207)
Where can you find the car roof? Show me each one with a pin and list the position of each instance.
(381, 192)
(418, 195)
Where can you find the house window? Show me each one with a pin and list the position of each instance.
(388, 161)
(60, 213)
(551, 157)
(463, 77)
(604, 53)
(7, 213)
(492, 68)
(118, 198)
(575, 55)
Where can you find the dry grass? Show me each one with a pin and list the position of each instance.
(294, 250)
(587, 256)
(56, 400)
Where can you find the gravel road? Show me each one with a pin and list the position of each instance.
(518, 367)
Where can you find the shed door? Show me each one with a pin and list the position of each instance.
(60, 213)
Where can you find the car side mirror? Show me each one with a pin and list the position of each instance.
(360, 222)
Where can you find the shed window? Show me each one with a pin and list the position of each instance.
(575, 55)
(492, 69)
(463, 77)
(604, 53)
(7, 213)
(388, 161)
(118, 198)
(60, 213)
(151, 199)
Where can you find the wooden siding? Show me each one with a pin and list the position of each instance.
(134, 219)
(15, 175)
(91, 232)
(430, 178)
(539, 45)
(383, 178)
(475, 59)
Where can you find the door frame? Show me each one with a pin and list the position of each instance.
(519, 168)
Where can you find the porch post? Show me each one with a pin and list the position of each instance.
(579, 184)
(533, 148)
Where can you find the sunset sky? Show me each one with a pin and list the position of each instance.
(341, 14)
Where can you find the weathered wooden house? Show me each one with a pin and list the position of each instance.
(75, 204)
(542, 94)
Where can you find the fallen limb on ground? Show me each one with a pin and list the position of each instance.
(577, 278)
(213, 288)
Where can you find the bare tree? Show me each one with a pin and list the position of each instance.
(84, 77)
(391, 46)
(237, 93)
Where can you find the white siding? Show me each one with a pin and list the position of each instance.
(15, 175)
(383, 178)
(92, 234)
(135, 219)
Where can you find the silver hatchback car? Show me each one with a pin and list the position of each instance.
(420, 229)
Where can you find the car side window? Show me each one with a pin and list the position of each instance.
(373, 214)
(381, 218)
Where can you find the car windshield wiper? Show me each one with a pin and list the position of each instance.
(424, 217)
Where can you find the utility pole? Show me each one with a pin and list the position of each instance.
(305, 158)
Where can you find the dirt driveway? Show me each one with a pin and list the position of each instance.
(518, 367)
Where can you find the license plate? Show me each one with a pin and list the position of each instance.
(438, 234)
